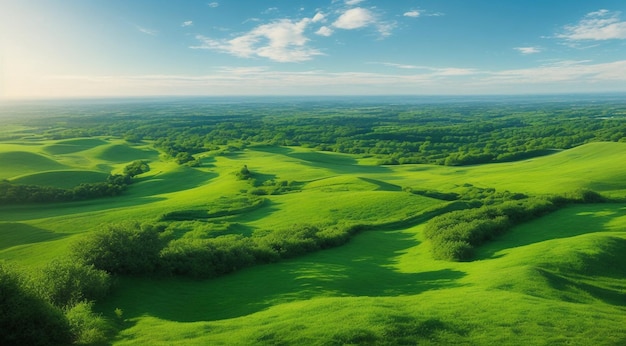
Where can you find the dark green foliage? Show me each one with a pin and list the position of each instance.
(454, 235)
(114, 185)
(25, 318)
(244, 173)
(17, 193)
(87, 327)
(136, 168)
(204, 258)
(124, 248)
(65, 283)
(183, 157)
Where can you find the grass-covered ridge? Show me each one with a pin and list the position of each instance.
(315, 247)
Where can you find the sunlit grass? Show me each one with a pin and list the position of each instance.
(556, 280)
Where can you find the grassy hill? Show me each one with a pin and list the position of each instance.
(384, 287)
(556, 280)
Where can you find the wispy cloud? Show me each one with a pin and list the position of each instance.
(596, 26)
(146, 30)
(353, 2)
(434, 71)
(528, 50)
(560, 76)
(564, 71)
(319, 17)
(281, 41)
(213, 4)
(187, 23)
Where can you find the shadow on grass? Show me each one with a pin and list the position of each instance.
(569, 222)
(14, 234)
(338, 163)
(142, 192)
(363, 267)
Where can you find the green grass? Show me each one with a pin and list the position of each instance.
(383, 284)
(121, 153)
(73, 146)
(556, 280)
(16, 163)
(63, 179)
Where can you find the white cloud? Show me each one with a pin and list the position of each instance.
(353, 2)
(213, 4)
(596, 26)
(402, 66)
(528, 50)
(324, 31)
(358, 17)
(187, 23)
(412, 14)
(566, 71)
(281, 41)
(355, 18)
(319, 17)
(147, 31)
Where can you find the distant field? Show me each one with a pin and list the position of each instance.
(556, 280)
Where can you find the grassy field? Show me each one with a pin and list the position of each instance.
(557, 280)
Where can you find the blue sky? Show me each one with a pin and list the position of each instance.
(109, 48)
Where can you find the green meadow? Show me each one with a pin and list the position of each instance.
(559, 279)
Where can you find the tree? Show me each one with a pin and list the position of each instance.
(136, 167)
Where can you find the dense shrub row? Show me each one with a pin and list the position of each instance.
(454, 235)
(113, 186)
(52, 306)
(141, 249)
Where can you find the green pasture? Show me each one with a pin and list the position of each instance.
(556, 280)
(527, 288)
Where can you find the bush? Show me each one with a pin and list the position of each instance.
(124, 248)
(65, 283)
(205, 258)
(25, 318)
(455, 234)
(87, 327)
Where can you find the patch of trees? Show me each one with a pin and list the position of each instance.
(266, 184)
(456, 234)
(114, 185)
(147, 249)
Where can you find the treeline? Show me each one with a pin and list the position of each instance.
(456, 234)
(114, 185)
(147, 249)
(445, 134)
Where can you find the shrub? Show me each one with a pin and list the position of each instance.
(124, 248)
(25, 318)
(87, 327)
(65, 283)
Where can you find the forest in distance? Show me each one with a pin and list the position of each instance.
(101, 201)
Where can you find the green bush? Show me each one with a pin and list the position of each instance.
(87, 327)
(25, 318)
(125, 248)
(65, 283)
